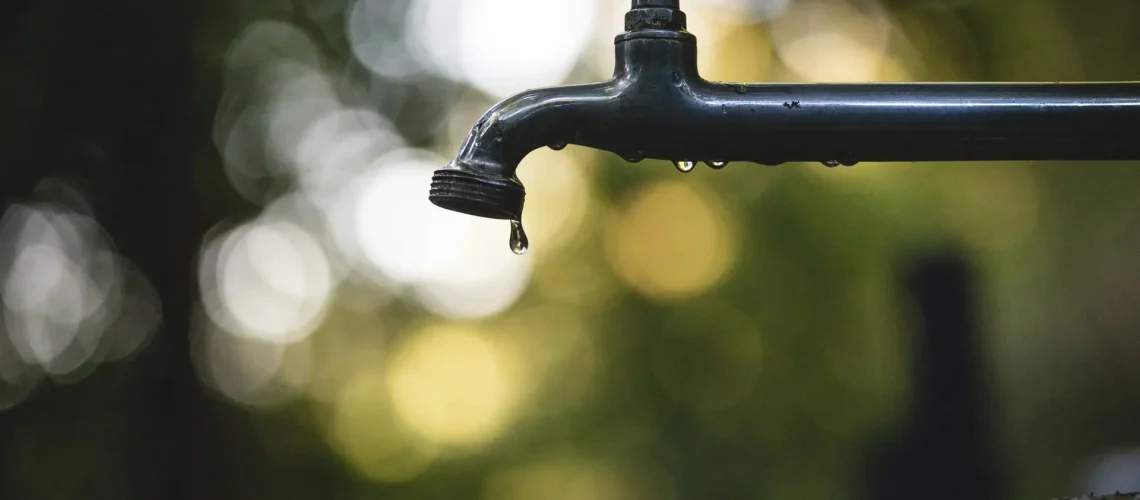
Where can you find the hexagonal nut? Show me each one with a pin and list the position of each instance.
(655, 19)
(669, 4)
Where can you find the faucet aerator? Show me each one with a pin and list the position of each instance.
(480, 195)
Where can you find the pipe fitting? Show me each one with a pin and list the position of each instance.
(655, 18)
(478, 194)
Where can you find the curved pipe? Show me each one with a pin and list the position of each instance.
(658, 106)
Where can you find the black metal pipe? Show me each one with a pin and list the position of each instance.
(658, 106)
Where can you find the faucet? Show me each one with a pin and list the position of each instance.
(658, 106)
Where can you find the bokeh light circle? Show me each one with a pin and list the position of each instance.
(671, 240)
(451, 385)
(502, 46)
(268, 280)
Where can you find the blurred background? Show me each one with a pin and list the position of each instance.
(222, 278)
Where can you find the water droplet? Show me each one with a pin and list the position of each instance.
(716, 164)
(634, 159)
(519, 242)
(558, 145)
(685, 166)
(740, 89)
(678, 78)
(850, 163)
(831, 163)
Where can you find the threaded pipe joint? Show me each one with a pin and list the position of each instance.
(481, 195)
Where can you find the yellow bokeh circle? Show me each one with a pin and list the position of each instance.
(671, 240)
(451, 385)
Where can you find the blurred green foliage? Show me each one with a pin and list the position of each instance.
(815, 280)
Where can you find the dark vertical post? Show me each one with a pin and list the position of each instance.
(120, 76)
(944, 449)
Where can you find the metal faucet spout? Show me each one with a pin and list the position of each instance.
(658, 106)
(481, 180)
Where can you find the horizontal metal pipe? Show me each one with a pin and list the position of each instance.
(658, 106)
(902, 122)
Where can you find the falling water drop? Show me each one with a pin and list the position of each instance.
(716, 164)
(558, 145)
(685, 166)
(831, 163)
(519, 241)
